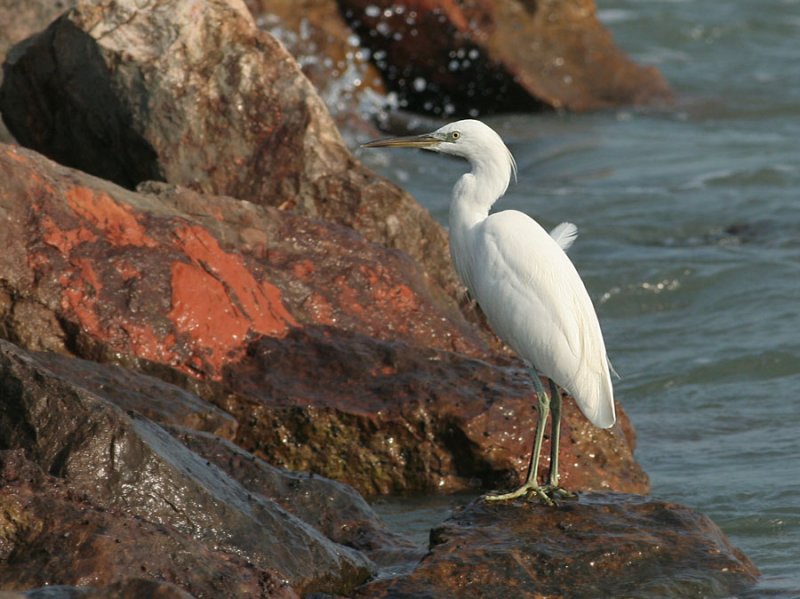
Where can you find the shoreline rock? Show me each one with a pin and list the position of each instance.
(124, 464)
(608, 545)
(394, 418)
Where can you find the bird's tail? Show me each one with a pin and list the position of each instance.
(597, 402)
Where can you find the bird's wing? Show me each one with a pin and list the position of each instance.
(564, 235)
(535, 300)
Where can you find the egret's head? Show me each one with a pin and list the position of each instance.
(469, 139)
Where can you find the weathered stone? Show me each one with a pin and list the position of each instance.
(466, 57)
(51, 534)
(125, 464)
(193, 93)
(598, 546)
(333, 508)
(388, 417)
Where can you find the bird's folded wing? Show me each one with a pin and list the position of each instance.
(534, 298)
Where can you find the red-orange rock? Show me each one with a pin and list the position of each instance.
(474, 56)
(159, 276)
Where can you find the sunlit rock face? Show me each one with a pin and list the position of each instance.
(194, 93)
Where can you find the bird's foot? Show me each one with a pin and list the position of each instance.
(547, 494)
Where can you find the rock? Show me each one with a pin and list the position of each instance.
(388, 417)
(192, 93)
(52, 534)
(124, 464)
(480, 57)
(330, 352)
(598, 546)
(130, 588)
(176, 278)
(147, 396)
(333, 508)
(19, 20)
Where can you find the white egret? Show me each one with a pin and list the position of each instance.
(529, 290)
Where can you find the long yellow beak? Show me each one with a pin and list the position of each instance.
(414, 141)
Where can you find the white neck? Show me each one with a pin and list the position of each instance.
(476, 192)
(473, 197)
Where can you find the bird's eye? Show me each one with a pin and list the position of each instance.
(455, 135)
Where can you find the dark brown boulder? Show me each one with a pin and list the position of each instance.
(123, 463)
(388, 417)
(598, 546)
(475, 56)
(197, 95)
(148, 396)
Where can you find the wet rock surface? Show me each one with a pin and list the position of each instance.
(125, 464)
(333, 508)
(52, 532)
(460, 58)
(596, 546)
(388, 417)
(194, 94)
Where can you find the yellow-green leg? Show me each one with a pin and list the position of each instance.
(555, 440)
(531, 486)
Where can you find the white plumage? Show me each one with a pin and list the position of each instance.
(521, 277)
